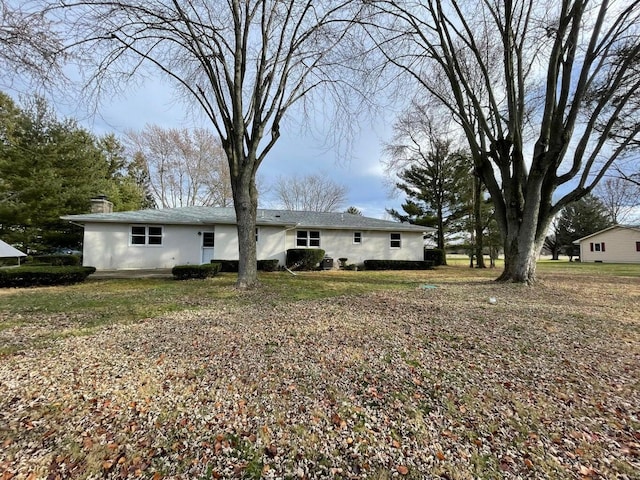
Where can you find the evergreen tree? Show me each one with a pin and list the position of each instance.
(579, 219)
(435, 187)
(127, 181)
(51, 167)
(353, 210)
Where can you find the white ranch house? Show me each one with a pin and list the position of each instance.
(149, 239)
(617, 244)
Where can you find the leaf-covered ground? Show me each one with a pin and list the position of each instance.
(422, 383)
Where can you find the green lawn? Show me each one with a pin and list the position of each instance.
(564, 266)
(80, 309)
(592, 268)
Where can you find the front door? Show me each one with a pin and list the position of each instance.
(208, 240)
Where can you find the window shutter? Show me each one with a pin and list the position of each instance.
(603, 246)
(637, 246)
(591, 246)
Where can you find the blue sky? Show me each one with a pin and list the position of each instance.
(298, 152)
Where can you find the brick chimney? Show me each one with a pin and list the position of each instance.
(101, 204)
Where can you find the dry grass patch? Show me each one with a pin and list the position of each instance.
(412, 383)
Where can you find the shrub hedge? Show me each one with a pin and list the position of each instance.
(227, 266)
(186, 272)
(304, 258)
(434, 255)
(268, 265)
(231, 266)
(397, 265)
(55, 260)
(32, 276)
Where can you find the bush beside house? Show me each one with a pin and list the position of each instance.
(397, 265)
(304, 258)
(435, 256)
(187, 272)
(231, 266)
(33, 276)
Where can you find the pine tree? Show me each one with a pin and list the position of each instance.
(579, 219)
(51, 167)
(435, 189)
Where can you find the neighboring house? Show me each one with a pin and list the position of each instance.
(617, 244)
(195, 235)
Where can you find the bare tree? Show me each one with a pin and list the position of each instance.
(536, 88)
(427, 167)
(618, 196)
(28, 45)
(631, 175)
(553, 243)
(244, 63)
(311, 193)
(186, 167)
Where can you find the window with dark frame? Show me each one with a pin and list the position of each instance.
(138, 235)
(307, 238)
(146, 235)
(314, 239)
(154, 235)
(208, 239)
(395, 240)
(637, 246)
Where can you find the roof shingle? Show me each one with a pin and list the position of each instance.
(217, 215)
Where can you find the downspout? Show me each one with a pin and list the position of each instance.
(284, 241)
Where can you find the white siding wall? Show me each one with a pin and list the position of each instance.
(375, 245)
(271, 244)
(226, 242)
(620, 247)
(107, 246)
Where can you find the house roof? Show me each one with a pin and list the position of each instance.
(613, 227)
(7, 251)
(216, 215)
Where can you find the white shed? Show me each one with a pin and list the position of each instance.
(7, 251)
(616, 244)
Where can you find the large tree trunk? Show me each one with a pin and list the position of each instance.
(440, 239)
(245, 197)
(520, 257)
(477, 219)
(524, 230)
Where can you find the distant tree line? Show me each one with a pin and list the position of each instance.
(186, 167)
